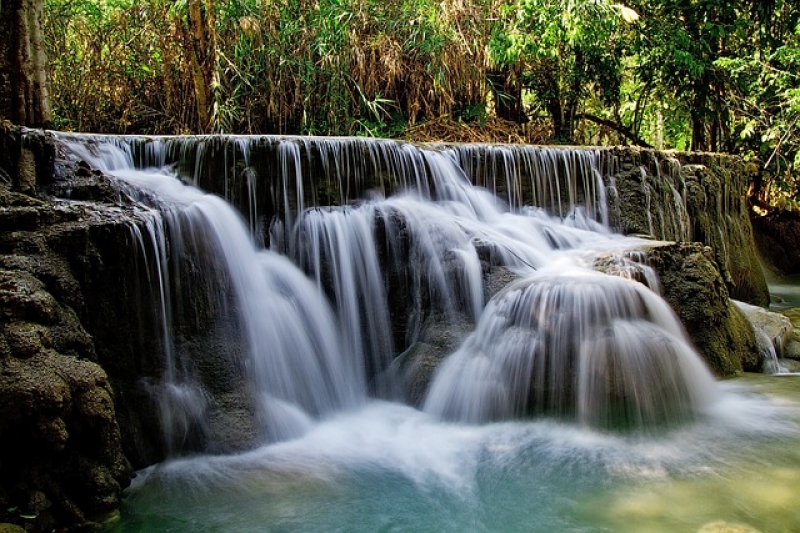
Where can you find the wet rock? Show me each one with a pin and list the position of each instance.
(495, 280)
(23, 297)
(727, 527)
(792, 350)
(789, 365)
(232, 423)
(778, 239)
(691, 283)
(439, 337)
(773, 327)
(61, 459)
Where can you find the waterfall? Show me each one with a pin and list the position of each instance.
(569, 341)
(327, 258)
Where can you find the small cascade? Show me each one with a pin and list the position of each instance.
(571, 342)
(665, 192)
(558, 179)
(342, 249)
(771, 363)
(288, 342)
(338, 248)
(293, 173)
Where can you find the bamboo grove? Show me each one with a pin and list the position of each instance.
(685, 74)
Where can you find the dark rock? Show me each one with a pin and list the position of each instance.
(778, 239)
(691, 283)
(63, 464)
(439, 337)
(712, 210)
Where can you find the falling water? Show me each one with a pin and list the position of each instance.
(338, 261)
(569, 341)
(562, 340)
(294, 356)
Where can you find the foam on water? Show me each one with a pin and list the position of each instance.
(564, 340)
(582, 357)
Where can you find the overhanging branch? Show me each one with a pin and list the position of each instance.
(619, 128)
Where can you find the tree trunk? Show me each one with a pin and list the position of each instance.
(563, 116)
(202, 57)
(698, 118)
(24, 92)
(507, 91)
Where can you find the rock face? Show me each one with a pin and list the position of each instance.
(693, 286)
(61, 457)
(691, 197)
(778, 240)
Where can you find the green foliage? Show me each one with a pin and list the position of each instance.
(683, 74)
(566, 51)
(765, 102)
(288, 66)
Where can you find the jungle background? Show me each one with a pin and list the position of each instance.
(703, 75)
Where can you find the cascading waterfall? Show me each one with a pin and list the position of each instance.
(333, 262)
(408, 237)
(294, 355)
(569, 341)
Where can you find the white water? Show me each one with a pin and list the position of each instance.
(581, 349)
(565, 340)
(388, 467)
(573, 339)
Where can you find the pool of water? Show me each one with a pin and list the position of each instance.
(784, 292)
(388, 467)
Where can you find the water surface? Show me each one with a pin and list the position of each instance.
(388, 467)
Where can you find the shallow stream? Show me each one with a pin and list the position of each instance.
(388, 467)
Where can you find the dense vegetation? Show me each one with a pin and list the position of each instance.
(686, 74)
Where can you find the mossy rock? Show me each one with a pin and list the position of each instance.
(691, 283)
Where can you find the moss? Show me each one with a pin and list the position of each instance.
(712, 211)
(693, 286)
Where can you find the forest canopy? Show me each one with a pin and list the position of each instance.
(686, 74)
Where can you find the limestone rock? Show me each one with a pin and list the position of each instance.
(712, 210)
(439, 337)
(693, 286)
(792, 350)
(726, 527)
(789, 365)
(63, 464)
(774, 327)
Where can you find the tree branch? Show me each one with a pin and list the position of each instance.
(619, 128)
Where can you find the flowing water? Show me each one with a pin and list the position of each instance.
(388, 467)
(575, 403)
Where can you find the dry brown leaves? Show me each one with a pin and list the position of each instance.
(492, 130)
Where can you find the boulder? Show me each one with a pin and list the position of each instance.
(692, 284)
(440, 335)
(774, 328)
(778, 239)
